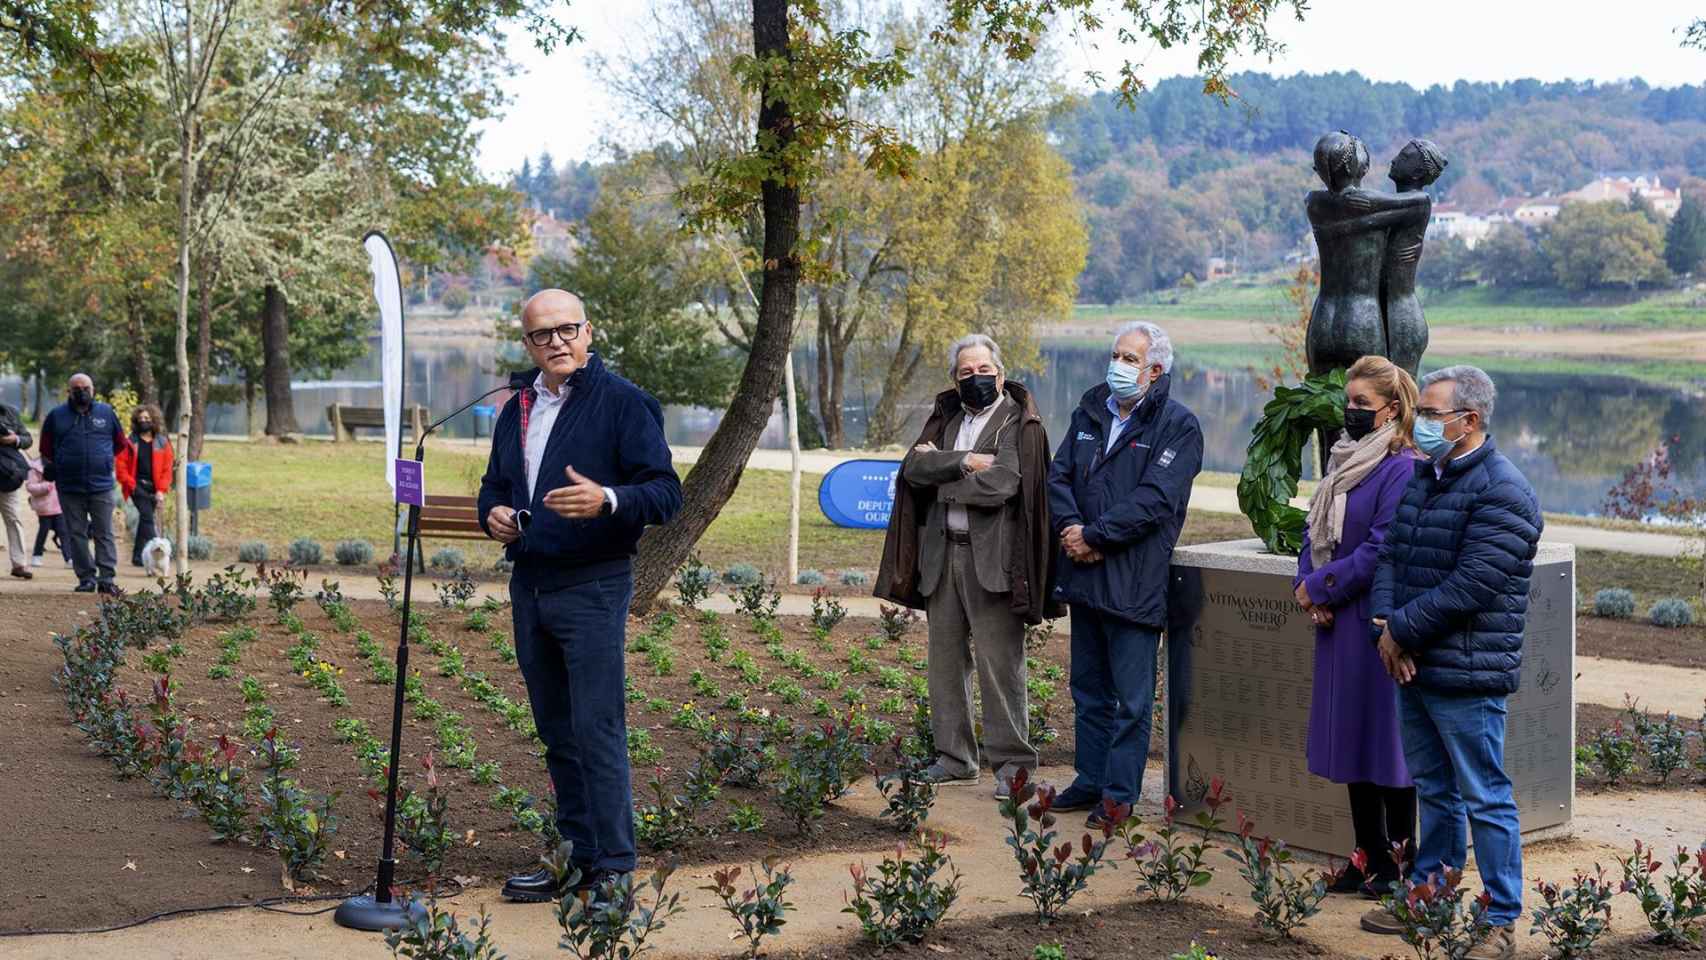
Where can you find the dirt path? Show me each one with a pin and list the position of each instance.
(1660, 688)
(1606, 825)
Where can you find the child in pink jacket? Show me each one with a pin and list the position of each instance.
(44, 500)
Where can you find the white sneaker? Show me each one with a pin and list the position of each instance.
(35, 561)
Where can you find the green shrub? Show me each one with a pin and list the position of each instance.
(447, 558)
(252, 552)
(810, 578)
(693, 581)
(353, 553)
(1672, 612)
(200, 548)
(1614, 602)
(742, 574)
(854, 578)
(305, 552)
(904, 901)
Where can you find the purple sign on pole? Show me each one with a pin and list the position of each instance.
(411, 486)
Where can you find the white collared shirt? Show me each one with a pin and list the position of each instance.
(543, 417)
(540, 420)
(971, 427)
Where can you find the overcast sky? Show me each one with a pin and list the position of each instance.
(557, 101)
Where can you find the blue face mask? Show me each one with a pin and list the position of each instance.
(1430, 437)
(1122, 381)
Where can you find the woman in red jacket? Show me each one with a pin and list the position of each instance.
(145, 473)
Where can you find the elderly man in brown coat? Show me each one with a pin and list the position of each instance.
(969, 540)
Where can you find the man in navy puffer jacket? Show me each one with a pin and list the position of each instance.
(578, 470)
(1117, 491)
(1450, 603)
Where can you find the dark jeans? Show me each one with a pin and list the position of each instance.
(145, 529)
(56, 526)
(1113, 693)
(1454, 745)
(569, 644)
(89, 516)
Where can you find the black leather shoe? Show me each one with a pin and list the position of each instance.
(540, 886)
(1351, 880)
(1076, 797)
(110, 589)
(87, 586)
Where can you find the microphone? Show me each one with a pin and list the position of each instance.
(517, 382)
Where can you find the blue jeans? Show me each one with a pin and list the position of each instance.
(1454, 745)
(1113, 693)
(569, 644)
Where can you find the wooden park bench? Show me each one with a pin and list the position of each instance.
(346, 419)
(448, 518)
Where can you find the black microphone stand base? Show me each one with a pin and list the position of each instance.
(363, 912)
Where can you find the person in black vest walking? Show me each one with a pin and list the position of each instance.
(81, 440)
(579, 468)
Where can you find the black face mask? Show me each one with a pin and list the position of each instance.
(81, 398)
(977, 391)
(1359, 423)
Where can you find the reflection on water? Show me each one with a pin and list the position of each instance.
(1572, 436)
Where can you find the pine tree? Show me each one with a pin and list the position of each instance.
(1685, 239)
(544, 181)
(524, 179)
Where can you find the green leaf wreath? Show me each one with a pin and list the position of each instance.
(1275, 460)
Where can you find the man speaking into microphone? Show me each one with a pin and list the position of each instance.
(579, 468)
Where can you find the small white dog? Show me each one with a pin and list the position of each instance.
(157, 557)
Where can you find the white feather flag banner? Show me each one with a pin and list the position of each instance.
(388, 291)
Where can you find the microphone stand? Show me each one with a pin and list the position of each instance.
(379, 910)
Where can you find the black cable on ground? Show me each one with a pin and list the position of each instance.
(269, 904)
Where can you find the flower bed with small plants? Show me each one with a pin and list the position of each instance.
(261, 705)
(1635, 747)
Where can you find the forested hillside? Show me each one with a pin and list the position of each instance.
(1183, 177)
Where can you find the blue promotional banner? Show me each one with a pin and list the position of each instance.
(859, 493)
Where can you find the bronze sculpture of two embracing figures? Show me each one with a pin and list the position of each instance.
(1370, 244)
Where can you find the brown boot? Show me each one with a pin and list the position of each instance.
(23, 573)
(1500, 946)
(1380, 920)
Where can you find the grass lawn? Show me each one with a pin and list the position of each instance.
(276, 493)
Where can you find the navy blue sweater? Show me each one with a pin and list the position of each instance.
(1454, 572)
(1131, 501)
(81, 447)
(611, 432)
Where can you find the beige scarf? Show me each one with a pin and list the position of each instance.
(1348, 465)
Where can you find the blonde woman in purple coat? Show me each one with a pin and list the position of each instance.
(1353, 714)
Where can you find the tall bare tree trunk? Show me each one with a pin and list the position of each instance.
(203, 347)
(828, 382)
(275, 364)
(186, 180)
(147, 391)
(903, 366)
(713, 479)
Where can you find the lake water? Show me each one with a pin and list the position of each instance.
(1573, 436)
